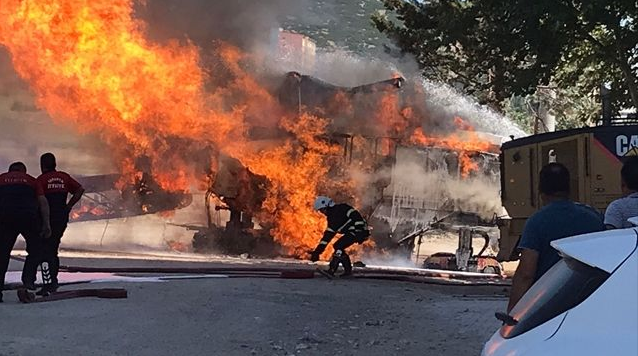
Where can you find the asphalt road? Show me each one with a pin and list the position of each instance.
(240, 316)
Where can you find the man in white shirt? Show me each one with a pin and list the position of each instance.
(626, 207)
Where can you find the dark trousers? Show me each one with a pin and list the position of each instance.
(50, 250)
(340, 255)
(27, 225)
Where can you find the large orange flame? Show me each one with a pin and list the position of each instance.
(397, 121)
(464, 143)
(295, 171)
(89, 64)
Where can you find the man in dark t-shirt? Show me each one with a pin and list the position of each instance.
(21, 199)
(57, 186)
(559, 218)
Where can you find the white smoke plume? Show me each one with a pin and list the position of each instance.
(443, 191)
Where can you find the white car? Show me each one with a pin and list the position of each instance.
(586, 304)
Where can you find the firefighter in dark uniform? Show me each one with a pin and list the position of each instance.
(342, 219)
(57, 186)
(21, 197)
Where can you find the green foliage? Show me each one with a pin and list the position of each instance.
(496, 49)
(569, 107)
(517, 109)
(574, 109)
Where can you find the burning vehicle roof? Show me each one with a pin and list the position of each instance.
(353, 104)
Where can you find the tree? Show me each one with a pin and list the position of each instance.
(496, 49)
(568, 106)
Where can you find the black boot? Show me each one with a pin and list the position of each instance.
(347, 265)
(334, 262)
(44, 291)
(28, 285)
(333, 265)
(49, 284)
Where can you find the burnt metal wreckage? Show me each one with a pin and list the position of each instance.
(239, 192)
(463, 259)
(104, 199)
(362, 144)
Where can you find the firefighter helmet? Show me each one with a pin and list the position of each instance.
(323, 202)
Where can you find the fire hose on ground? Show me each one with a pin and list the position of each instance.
(411, 275)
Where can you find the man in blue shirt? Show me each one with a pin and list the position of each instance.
(559, 218)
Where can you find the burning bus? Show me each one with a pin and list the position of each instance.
(366, 148)
(179, 124)
(370, 153)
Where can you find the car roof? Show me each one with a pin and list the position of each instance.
(605, 250)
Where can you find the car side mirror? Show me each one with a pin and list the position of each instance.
(506, 318)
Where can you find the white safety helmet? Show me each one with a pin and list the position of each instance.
(323, 202)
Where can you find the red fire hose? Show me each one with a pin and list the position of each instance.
(110, 293)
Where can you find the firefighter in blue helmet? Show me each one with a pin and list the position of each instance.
(345, 220)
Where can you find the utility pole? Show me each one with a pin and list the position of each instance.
(545, 121)
(605, 99)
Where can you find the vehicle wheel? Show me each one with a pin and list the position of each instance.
(490, 270)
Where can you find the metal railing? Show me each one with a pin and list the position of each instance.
(619, 121)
